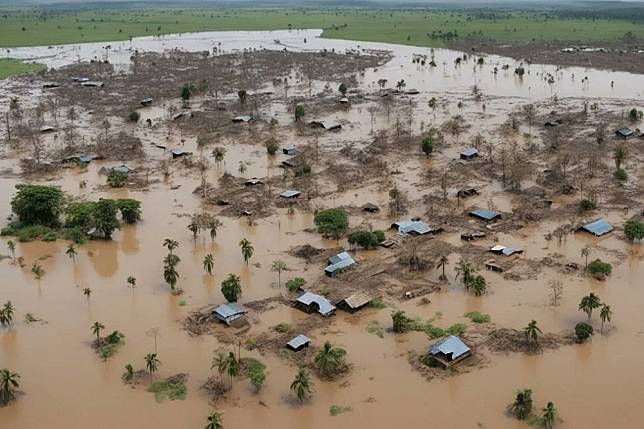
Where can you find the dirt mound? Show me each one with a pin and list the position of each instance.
(506, 340)
(306, 251)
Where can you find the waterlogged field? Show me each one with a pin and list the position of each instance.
(11, 67)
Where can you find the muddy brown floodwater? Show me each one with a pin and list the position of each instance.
(594, 385)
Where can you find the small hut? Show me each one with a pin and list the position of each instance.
(298, 343)
(449, 351)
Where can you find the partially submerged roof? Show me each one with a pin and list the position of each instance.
(92, 84)
(339, 262)
(411, 226)
(181, 115)
(80, 158)
(228, 312)
(252, 182)
(299, 341)
(553, 123)
(147, 100)
(122, 169)
(339, 257)
(289, 149)
(598, 227)
(244, 118)
(504, 250)
(485, 214)
(176, 152)
(290, 194)
(47, 129)
(451, 345)
(357, 300)
(469, 152)
(344, 100)
(624, 132)
(325, 308)
(371, 208)
(412, 91)
(329, 126)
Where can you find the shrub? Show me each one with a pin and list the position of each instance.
(457, 329)
(586, 205)
(478, 317)
(299, 112)
(335, 410)
(256, 374)
(599, 266)
(366, 239)
(331, 222)
(427, 146)
(117, 179)
(343, 88)
(583, 331)
(37, 204)
(377, 303)
(431, 361)
(50, 236)
(295, 284)
(282, 328)
(620, 174)
(272, 147)
(104, 217)
(303, 170)
(171, 388)
(31, 233)
(634, 230)
(134, 116)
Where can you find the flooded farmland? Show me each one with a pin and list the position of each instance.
(533, 175)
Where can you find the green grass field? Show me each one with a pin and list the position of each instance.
(11, 67)
(31, 27)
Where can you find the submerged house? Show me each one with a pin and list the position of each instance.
(47, 129)
(253, 182)
(471, 236)
(354, 302)
(243, 118)
(469, 153)
(339, 262)
(228, 313)
(504, 250)
(178, 153)
(414, 227)
(289, 150)
(624, 133)
(85, 159)
(486, 215)
(370, 208)
(449, 351)
(310, 302)
(92, 84)
(598, 227)
(329, 126)
(122, 169)
(298, 343)
(146, 101)
(290, 194)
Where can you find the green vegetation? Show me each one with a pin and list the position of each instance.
(13, 67)
(589, 303)
(521, 408)
(302, 385)
(427, 146)
(330, 359)
(335, 410)
(634, 230)
(366, 239)
(9, 382)
(299, 112)
(110, 344)
(295, 284)
(583, 331)
(172, 388)
(532, 332)
(402, 323)
(421, 27)
(331, 222)
(134, 116)
(231, 288)
(256, 373)
(377, 303)
(477, 317)
(117, 179)
(374, 328)
(282, 328)
(586, 205)
(620, 175)
(37, 204)
(598, 266)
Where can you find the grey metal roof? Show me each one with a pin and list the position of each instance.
(243, 118)
(507, 251)
(122, 169)
(298, 341)
(598, 227)
(449, 345)
(333, 268)
(470, 151)
(228, 310)
(339, 257)
(624, 131)
(290, 194)
(325, 307)
(178, 151)
(485, 214)
(413, 226)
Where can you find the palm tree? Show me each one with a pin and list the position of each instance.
(170, 274)
(585, 253)
(87, 292)
(247, 249)
(214, 421)
(477, 284)
(278, 267)
(8, 383)
(606, 314)
(152, 363)
(466, 270)
(521, 408)
(301, 385)
(96, 328)
(128, 375)
(589, 303)
(209, 263)
(71, 252)
(232, 367)
(193, 226)
(532, 332)
(12, 248)
(213, 225)
(170, 244)
(220, 361)
(131, 281)
(329, 359)
(6, 314)
(549, 416)
(442, 262)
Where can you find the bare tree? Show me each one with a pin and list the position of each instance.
(556, 291)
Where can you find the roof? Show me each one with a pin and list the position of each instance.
(325, 307)
(339, 257)
(357, 300)
(470, 151)
(413, 226)
(298, 341)
(485, 214)
(228, 310)
(507, 251)
(345, 263)
(80, 157)
(243, 118)
(92, 83)
(449, 345)
(624, 131)
(598, 227)
(252, 182)
(178, 151)
(290, 194)
(146, 100)
(122, 168)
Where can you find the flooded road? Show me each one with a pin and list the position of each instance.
(65, 384)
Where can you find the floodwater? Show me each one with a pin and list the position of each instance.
(595, 385)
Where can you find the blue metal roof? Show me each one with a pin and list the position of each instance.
(339, 257)
(298, 342)
(598, 227)
(333, 268)
(228, 310)
(413, 226)
(485, 214)
(325, 307)
(449, 345)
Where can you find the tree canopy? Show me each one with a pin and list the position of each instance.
(37, 204)
(331, 222)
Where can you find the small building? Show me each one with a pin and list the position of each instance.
(486, 215)
(468, 192)
(86, 159)
(178, 153)
(624, 133)
(92, 84)
(414, 227)
(298, 343)
(344, 100)
(598, 227)
(180, 115)
(469, 153)
(338, 263)
(289, 150)
(311, 302)
(449, 351)
(504, 250)
(47, 129)
(370, 208)
(492, 265)
(471, 236)
(553, 123)
(243, 118)
(253, 182)
(146, 101)
(329, 126)
(354, 302)
(122, 169)
(290, 194)
(228, 313)
(50, 85)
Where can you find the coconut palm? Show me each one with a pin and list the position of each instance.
(170, 244)
(213, 225)
(96, 328)
(71, 252)
(532, 332)
(220, 361)
(247, 249)
(12, 248)
(128, 375)
(302, 384)
(131, 281)
(233, 367)
(605, 314)
(585, 253)
(87, 292)
(589, 303)
(442, 263)
(152, 363)
(465, 269)
(477, 284)
(329, 359)
(193, 226)
(549, 416)
(170, 274)
(214, 421)
(521, 408)
(8, 383)
(278, 267)
(208, 263)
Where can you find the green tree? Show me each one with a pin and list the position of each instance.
(96, 329)
(585, 253)
(231, 288)
(589, 303)
(521, 408)
(549, 416)
(9, 382)
(37, 204)
(12, 248)
(214, 421)
(117, 179)
(233, 367)
(186, 93)
(87, 292)
(152, 363)
(219, 153)
(130, 210)
(329, 359)
(131, 281)
(299, 112)
(247, 249)
(277, 267)
(71, 252)
(583, 331)
(7, 314)
(134, 116)
(466, 270)
(170, 274)
(619, 155)
(606, 315)
(243, 95)
(257, 374)
(477, 284)
(208, 263)
(302, 384)
(532, 332)
(128, 375)
(220, 361)
(400, 321)
(105, 219)
(331, 222)
(193, 226)
(37, 270)
(343, 89)
(442, 263)
(634, 230)
(213, 226)
(366, 239)
(170, 244)
(427, 146)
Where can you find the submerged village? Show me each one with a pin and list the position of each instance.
(305, 230)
